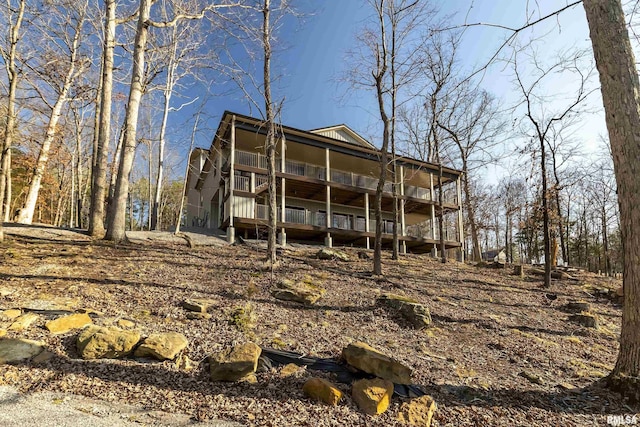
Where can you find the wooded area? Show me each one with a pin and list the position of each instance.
(88, 88)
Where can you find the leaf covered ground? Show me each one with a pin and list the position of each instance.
(501, 351)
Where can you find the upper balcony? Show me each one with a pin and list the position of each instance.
(303, 169)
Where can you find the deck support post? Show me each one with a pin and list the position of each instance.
(328, 241)
(231, 231)
(367, 221)
(460, 219)
(282, 236)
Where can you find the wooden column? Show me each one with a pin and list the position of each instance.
(231, 234)
(283, 198)
(403, 225)
(460, 218)
(328, 241)
(366, 218)
(434, 252)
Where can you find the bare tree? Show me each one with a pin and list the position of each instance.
(621, 95)
(66, 30)
(473, 122)
(9, 54)
(117, 213)
(542, 119)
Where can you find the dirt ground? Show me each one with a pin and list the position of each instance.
(501, 350)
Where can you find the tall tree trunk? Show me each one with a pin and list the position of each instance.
(545, 216)
(10, 127)
(8, 191)
(270, 141)
(26, 213)
(99, 171)
(117, 215)
(471, 214)
(621, 96)
(605, 242)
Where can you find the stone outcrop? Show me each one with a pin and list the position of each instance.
(23, 322)
(300, 292)
(577, 306)
(162, 346)
(322, 390)
(327, 253)
(418, 412)
(586, 320)
(13, 350)
(411, 310)
(65, 324)
(372, 396)
(96, 342)
(198, 305)
(235, 363)
(367, 359)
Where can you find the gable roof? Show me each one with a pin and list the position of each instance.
(344, 133)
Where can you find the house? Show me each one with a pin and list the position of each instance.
(326, 185)
(495, 255)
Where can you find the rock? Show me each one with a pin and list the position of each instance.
(125, 323)
(43, 357)
(363, 255)
(235, 363)
(367, 359)
(290, 369)
(183, 362)
(411, 310)
(264, 364)
(372, 396)
(586, 320)
(322, 390)
(577, 306)
(162, 346)
(533, 378)
(620, 292)
(3, 332)
(198, 305)
(23, 322)
(194, 315)
(326, 253)
(418, 412)
(64, 324)
(10, 314)
(14, 350)
(96, 342)
(301, 292)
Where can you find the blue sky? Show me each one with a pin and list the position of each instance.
(316, 58)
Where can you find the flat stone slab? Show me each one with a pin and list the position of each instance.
(65, 324)
(198, 305)
(14, 350)
(23, 322)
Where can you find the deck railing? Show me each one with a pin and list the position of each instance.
(293, 167)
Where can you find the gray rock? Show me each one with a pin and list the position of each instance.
(327, 253)
(14, 350)
(411, 310)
